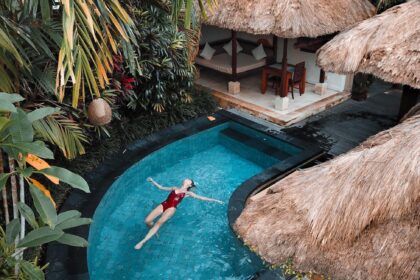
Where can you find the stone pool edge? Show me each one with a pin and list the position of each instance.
(276, 172)
(70, 263)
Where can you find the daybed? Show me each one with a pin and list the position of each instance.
(245, 61)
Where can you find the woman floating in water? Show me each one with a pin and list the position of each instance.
(168, 207)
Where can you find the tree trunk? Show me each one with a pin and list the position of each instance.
(14, 188)
(4, 192)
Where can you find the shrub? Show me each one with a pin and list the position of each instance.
(166, 77)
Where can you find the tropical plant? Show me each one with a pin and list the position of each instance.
(62, 57)
(182, 11)
(383, 5)
(42, 50)
(12, 267)
(17, 141)
(167, 76)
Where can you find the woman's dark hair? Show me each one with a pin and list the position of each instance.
(192, 185)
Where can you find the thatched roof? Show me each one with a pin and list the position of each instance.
(387, 46)
(289, 19)
(354, 217)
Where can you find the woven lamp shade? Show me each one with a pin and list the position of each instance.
(99, 112)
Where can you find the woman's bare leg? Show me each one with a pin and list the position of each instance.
(153, 215)
(163, 219)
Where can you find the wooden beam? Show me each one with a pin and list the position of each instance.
(234, 57)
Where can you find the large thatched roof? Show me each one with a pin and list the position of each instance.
(289, 18)
(354, 217)
(387, 46)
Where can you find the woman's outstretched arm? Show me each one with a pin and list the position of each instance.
(203, 198)
(160, 187)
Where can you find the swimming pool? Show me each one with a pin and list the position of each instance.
(197, 242)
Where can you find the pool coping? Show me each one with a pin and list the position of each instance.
(67, 262)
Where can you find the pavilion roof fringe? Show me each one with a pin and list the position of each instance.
(386, 46)
(354, 217)
(289, 19)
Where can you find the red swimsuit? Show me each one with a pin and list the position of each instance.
(173, 200)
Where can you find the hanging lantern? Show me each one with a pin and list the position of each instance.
(99, 112)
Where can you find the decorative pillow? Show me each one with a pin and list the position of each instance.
(207, 52)
(259, 52)
(228, 47)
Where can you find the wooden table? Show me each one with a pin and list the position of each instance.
(275, 70)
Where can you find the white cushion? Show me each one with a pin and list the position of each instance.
(222, 63)
(259, 52)
(207, 52)
(228, 47)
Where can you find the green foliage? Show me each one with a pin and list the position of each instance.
(12, 231)
(166, 76)
(67, 177)
(45, 123)
(92, 32)
(64, 133)
(29, 215)
(40, 236)
(17, 140)
(43, 51)
(44, 207)
(9, 263)
(383, 5)
(130, 129)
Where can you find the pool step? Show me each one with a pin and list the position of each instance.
(255, 143)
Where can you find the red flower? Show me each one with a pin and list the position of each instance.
(127, 82)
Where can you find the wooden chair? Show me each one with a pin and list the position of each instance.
(264, 42)
(298, 76)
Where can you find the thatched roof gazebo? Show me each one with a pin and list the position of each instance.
(286, 19)
(289, 19)
(387, 46)
(354, 217)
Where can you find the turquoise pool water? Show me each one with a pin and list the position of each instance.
(197, 242)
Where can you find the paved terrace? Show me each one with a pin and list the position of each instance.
(346, 125)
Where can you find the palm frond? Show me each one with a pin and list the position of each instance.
(62, 132)
(92, 32)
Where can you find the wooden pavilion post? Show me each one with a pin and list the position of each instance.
(409, 98)
(322, 76)
(275, 48)
(283, 89)
(234, 57)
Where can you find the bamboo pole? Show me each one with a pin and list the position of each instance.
(22, 199)
(22, 218)
(4, 192)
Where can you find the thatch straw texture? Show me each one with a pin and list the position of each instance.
(387, 46)
(289, 18)
(354, 217)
